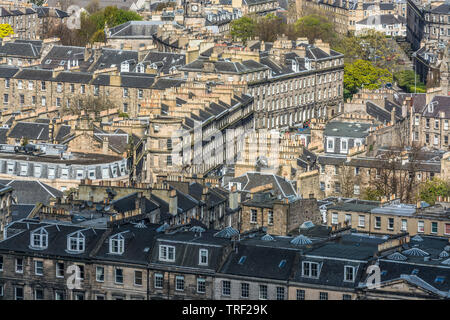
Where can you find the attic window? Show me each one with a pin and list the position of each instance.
(39, 239)
(75, 242)
(63, 62)
(48, 61)
(116, 244)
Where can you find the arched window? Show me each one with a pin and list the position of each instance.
(116, 244)
(39, 239)
(76, 242)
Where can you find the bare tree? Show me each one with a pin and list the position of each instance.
(89, 105)
(397, 174)
(347, 180)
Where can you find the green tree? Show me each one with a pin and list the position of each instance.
(372, 46)
(39, 3)
(372, 194)
(5, 30)
(243, 28)
(406, 80)
(362, 73)
(431, 189)
(315, 27)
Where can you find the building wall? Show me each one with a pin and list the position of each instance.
(370, 224)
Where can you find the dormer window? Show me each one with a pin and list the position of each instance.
(125, 67)
(203, 257)
(140, 68)
(166, 253)
(349, 273)
(39, 239)
(310, 269)
(294, 66)
(116, 244)
(76, 242)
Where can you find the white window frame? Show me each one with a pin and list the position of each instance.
(17, 265)
(362, 218)
(353, 273)
(176, 283)
(98, 274)
(79, 240)
(165, 253)
(203, 253)
(309, 274)
(420, 226)
(36, 267)
(41, 241)
(119, 239)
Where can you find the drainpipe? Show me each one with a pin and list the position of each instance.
(148, 283)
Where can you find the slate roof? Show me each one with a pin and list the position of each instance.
(226, 66)
(135, 29)
(34, 74)
(165, 60)
(254, 179)
(3, 137)
(44, 12)
(347, 129)
(355, 206)
(21, 211)
(58, 53)
(128, 203)
(384, 19)
(164, 83)
(187, 245)
(18, 49)
(57, 239)
(260, 261)
(443, 9)
(63, 133)
(137, 247)
(110, 58)
(74, 77)
(32, 192)
(8, 71)
(441, 104)
(30, 130)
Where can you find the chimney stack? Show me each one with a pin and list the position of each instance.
(233, 200)
(173, 202)
(138, 200)
(205, 192)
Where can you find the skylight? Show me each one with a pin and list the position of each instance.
(439, 279)
(267, 237)
(397, 256)
(301, 240)
(282, 264)
(417, 238)
(415, 272)
(416, 252)
(242, 260)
